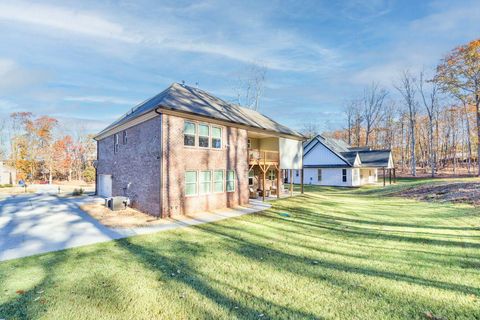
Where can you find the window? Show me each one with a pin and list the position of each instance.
(344, 175)
(115, 143)
(205, 182)
(251, 177)
(230, 181)
(218, 181)
(189, 132)
(125, 138)
(203, 135)
(249, 144)
(216, 137)
(296, 172)
(271, 174)
(190, 183)
(319, 175)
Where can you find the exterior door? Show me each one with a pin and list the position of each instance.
(105, 185)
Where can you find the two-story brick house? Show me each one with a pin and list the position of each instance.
(185, 150)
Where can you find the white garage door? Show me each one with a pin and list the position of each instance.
(105, 185)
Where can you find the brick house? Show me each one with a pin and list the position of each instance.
(185, 150)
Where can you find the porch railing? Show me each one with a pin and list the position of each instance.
(256, 156)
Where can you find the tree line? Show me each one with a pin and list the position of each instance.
(430, 121)
(41, 150)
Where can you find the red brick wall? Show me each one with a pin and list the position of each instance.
(177, 159)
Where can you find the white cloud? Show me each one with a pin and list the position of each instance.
(13, 76)
(278, 49)
(101, 99)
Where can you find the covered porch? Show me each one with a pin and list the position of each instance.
(270, 158)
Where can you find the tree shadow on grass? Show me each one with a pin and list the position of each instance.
(191, 278)
(275, 257)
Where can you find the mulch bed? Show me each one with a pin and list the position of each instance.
(457, 192)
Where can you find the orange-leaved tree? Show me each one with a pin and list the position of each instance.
(459, 75)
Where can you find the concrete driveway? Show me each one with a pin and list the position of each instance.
(32, 224)
(37, 223)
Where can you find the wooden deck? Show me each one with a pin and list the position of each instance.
(263, 157)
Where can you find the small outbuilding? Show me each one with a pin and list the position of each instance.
(332, 162)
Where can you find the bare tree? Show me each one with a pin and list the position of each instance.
(430, 102)
(372, 105)
(406, 88)
(310, 129)
(251, 86)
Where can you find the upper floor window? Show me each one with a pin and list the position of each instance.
(216, 137)
(189, 132)
(125, 137)
(344, 175)
(115, 143)
(203, 135)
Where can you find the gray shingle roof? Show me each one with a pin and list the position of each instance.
(368, 157)
(183, 98)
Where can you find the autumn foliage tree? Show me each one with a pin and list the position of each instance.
(459, 75)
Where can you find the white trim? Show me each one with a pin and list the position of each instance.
(211, 182)
(126, 125)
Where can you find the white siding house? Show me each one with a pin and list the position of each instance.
(331, 162)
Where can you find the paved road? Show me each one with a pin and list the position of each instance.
(37, 223)
(31, 224)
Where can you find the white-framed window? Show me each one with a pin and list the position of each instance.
(203, 135)
(319, 174)
(205, 182)
(216, 137)
(344, 175)
(251, 177)
(230, 185)
(218, 178)
(125, 137)
(115, 143)
(271, 174)
(190, 183)
(189, 133)
(249, 144)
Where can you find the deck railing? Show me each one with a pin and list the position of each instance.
(256, 156)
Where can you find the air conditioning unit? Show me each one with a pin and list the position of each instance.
(117, 203)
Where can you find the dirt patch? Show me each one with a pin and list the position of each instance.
(128, 218)
(457, 192)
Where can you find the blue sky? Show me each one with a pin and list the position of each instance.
(89, 62)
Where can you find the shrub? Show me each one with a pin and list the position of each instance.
(8, 185)
(89, 174)
(77, 192)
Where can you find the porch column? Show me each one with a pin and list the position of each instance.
(301, 181)
(291, 182)
(263, 183)
(278, 182)
(384, 176)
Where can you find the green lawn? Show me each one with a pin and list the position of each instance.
(341, 254)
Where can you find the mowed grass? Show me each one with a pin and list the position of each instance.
(341, 254)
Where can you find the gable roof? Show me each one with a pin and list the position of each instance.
(195, 101)
(368, 158)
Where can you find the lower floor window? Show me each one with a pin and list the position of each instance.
(190, 183)
(344, 175)
(205, 182)
(271, 175)
(230, 185)
(251, 177)
(218, 181)
(319, 175)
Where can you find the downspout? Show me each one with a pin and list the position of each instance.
(96, 174)
(161, 161)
